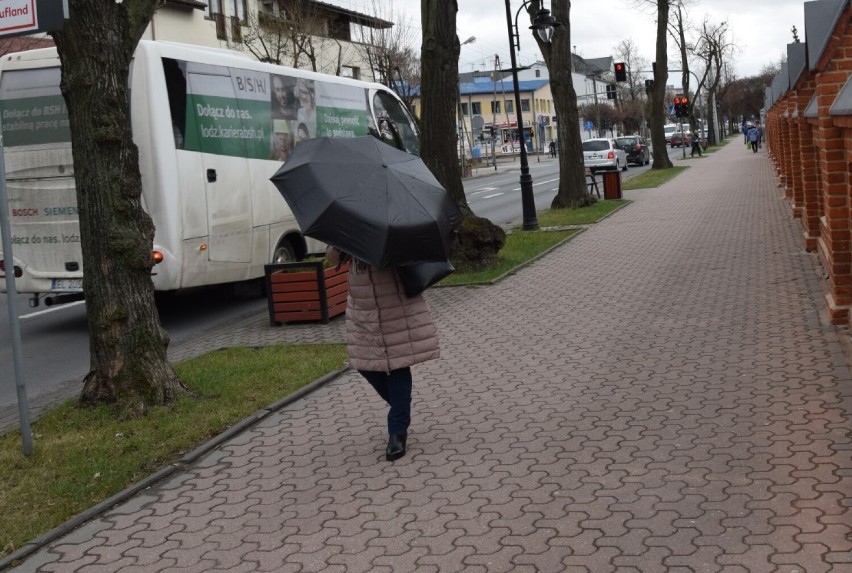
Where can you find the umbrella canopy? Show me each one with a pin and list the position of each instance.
(373, 201)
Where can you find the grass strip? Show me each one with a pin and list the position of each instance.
(85, 455)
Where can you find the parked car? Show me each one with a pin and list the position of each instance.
(636, 149)
(679, 139)
(602, 153)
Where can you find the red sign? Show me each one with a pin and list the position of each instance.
(18, 16)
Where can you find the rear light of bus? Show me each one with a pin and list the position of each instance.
(158, 257)
(18, 271)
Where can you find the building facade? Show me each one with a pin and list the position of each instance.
(304, 34)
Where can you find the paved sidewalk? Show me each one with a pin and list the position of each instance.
(659, 394)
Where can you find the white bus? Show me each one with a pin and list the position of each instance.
(212, 126)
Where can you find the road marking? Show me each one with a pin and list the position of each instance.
(483, 190)
(53, 309)
(492, 195)
(539, 183)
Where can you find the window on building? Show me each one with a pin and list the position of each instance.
(525, 105)
(476, 108)
(510, 106)
(465, 110)
(239, 10)
(495, 107)
(538, 73)
(213, 7)
(353, 72)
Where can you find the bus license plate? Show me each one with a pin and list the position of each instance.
(67, 284)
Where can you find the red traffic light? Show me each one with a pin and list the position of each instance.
(684, 101)
(677, 101)
(620, 72)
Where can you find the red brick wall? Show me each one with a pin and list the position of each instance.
(813, 157)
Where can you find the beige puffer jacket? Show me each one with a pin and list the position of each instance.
(385, 329)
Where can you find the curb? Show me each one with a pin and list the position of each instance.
(15, 558)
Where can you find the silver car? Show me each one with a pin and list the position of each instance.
(602, 154)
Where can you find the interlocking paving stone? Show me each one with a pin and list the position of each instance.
(658, 394)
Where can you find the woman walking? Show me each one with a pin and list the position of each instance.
(387, 332)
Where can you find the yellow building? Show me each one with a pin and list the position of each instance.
(484, 104)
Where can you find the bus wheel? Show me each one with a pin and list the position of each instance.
(284, 253)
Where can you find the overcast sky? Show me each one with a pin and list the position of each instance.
(761, 29)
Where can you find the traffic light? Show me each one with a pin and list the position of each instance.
(681, 106)
(610, 91)
(620, 72)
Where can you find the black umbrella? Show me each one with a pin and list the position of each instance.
(373, 201)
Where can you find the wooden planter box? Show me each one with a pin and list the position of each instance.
(311, 294)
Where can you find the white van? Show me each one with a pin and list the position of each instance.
(669, 129)
(212, 126)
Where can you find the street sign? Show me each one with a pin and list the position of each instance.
(20, 17)
(588, 125)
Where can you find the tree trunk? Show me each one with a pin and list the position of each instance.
(479, 240)
(658, 99)
(573, 190)
(129, 366)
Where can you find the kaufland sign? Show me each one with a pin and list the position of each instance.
(19, 17)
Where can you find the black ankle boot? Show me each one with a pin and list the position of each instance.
(396, 447)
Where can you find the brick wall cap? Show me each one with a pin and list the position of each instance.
(812, 109)
(843, 102)
(821, 18)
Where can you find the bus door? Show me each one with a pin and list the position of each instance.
(215, 129)
(391, 114)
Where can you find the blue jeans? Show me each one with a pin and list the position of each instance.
(395, 388)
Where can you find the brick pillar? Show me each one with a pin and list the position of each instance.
(833, 245)
(812, 208)
(785, 159)
(806, 179)
(794, 164)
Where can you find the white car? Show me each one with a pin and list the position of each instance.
(602, 154)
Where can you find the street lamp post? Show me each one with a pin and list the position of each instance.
(543, 24)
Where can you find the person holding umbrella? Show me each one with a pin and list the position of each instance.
(387, 332)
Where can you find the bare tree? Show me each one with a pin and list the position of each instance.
(573, 191)
(127, 344)
(390, 51)
(658, 93)
(678, 24)
(631, 96)
(479, 239)
(712, 49)
(602, 113)
(293, 34)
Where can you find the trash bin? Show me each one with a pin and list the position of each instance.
(612, 184)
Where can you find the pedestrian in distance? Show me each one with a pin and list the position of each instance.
(754, 137)
(552, 147)
(696, 144)
(387, 332)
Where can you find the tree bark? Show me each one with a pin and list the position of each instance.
(479, 239)
(129, 366)
(573, 191)
(658, 103)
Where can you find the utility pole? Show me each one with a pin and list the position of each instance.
(494, 112)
